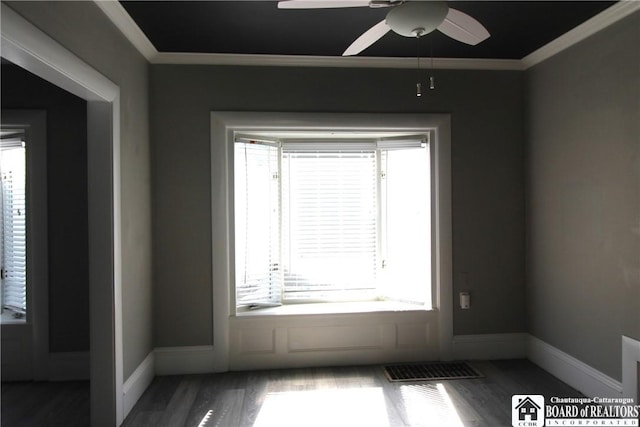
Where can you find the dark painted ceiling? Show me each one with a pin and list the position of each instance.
(517, 28)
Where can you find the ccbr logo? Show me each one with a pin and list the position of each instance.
(527, 410)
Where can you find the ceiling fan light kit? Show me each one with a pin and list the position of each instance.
(416, 18)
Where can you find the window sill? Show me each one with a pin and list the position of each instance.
(7, 319)
(333, 308)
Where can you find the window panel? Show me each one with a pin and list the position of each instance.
(257, 224)
(329, 225)
(407, 225)
(14, 228)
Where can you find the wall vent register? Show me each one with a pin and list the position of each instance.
(431, 371)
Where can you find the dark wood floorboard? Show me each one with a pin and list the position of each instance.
(319, 396)
(335, 397)
(27, 404)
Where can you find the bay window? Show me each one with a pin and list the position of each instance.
(332, 220)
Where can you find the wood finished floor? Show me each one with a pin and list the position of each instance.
(343, 396)
(26, 404)
(327, 397)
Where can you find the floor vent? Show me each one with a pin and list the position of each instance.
(431, 371)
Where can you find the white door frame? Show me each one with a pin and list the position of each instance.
(25, 45)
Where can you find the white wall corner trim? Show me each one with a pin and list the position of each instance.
(69, 366)
(490, 346)
(137, 383)
(184, 360)
(123, 21)
(572, 371)
(588, 28)
(631, 368)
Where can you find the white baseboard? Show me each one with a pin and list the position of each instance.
(184, 360)
(138, 382)
(69, 366)
(490, 346)
(567, 368)
(572, 371)
(631, 368)
(200, 359)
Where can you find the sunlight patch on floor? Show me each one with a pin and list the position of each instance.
(206, 418)
(429, 405)
(329, 407)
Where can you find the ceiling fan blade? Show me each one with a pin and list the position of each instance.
(320, 4)
(369, 37)
(462, 27)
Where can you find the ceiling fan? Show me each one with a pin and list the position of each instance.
(407, 18)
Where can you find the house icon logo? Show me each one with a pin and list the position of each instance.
(527, 410)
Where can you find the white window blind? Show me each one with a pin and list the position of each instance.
(14, 237)
(329, 224)
(257, 224)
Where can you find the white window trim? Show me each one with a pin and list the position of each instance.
(223, 127)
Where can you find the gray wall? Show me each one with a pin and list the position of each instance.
(583, 196)
(82, 28)
(67, 202)
(488, 177)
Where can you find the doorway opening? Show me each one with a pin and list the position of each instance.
(30, 48)
(13, 225)
(24, 246)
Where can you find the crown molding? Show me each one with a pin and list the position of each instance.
(333, 61)
(121, 19)
(127, 26)
(602, 20)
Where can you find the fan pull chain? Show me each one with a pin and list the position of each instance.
(418, 85)
(432, 83)
(432, 80)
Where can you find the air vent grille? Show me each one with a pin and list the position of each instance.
(431, 371)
